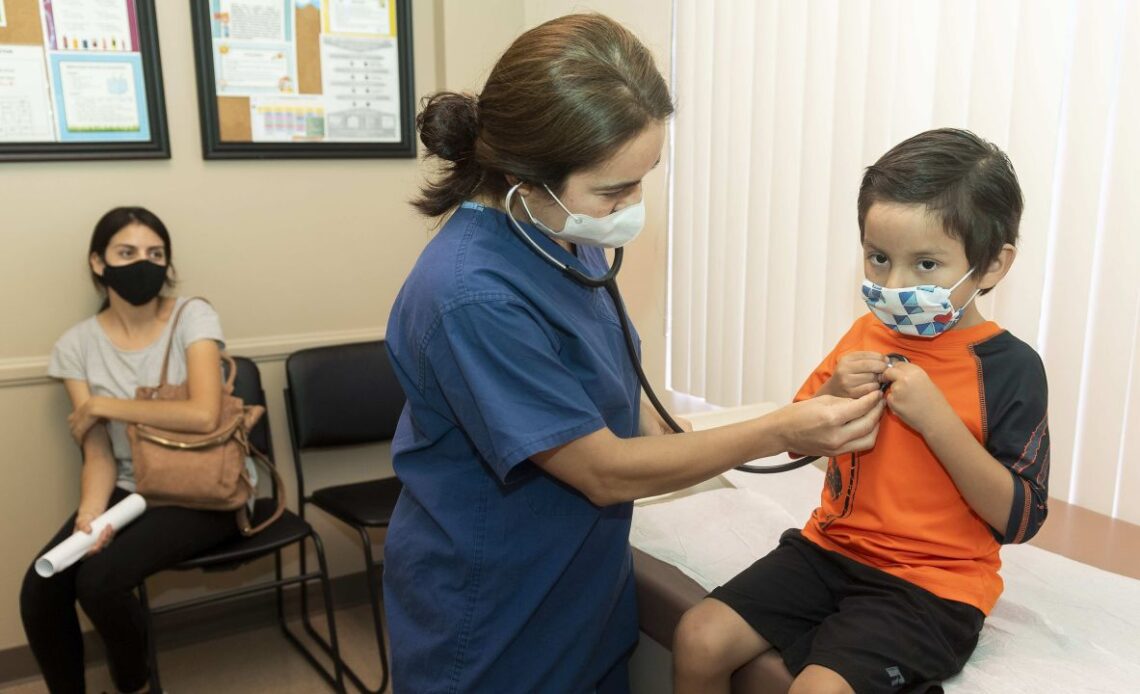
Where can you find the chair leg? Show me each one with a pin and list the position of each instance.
(333, 651)
(330, 612)
(373, 580)
(151, 646)
(278, 574)
(373, 577)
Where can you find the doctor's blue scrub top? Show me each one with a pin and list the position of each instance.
(498, 577)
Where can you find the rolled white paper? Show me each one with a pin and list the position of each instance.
(73, 548)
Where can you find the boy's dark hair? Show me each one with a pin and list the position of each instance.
(967, 182)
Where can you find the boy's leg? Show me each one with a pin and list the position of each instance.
(711, 642)
(777, 602)
(888, 636)
(764, 674)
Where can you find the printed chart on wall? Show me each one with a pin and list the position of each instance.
(80, 79)
(304, 78)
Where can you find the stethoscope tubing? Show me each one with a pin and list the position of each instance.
(608, 281)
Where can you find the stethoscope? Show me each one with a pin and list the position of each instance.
(608, 281)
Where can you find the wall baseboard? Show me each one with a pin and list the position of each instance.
(27, 371)
(203, 623)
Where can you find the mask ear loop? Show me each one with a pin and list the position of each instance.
(958, 312)
(569, 214)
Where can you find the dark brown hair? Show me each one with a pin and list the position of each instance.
(564, 97)
(115, 221)
(967, 182)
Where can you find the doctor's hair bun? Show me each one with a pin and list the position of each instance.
(449, 124)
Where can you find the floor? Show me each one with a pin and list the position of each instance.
(259, 660)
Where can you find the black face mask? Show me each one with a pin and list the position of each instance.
(138, 282)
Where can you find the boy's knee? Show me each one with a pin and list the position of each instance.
(700, 643)
(816, 679)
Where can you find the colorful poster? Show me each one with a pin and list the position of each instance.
(255, 20)
(98, 97)
(252, 68)
(360, 17)
(361, 88)
(288, 119)
(90, 25)
(25, 102)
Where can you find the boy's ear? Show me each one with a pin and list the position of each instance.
(998, 267)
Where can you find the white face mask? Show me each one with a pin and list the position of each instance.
(924, 310)
(611, 231)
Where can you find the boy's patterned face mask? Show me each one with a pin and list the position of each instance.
(922, 311)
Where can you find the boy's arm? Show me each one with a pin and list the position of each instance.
(1005, 482)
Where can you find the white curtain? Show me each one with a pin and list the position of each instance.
(781, 103)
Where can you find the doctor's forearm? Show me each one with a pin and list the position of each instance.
(610, 470)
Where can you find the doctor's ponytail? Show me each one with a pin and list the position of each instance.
(449, 125)
(564, 97)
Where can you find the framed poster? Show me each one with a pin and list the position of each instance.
(294, 79)
(80, 79)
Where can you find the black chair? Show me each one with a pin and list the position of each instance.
(288, 530)
(340, 396)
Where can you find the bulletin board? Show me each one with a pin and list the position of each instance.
(292, 79)
(80, 79)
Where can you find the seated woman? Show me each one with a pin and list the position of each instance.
(101, 361)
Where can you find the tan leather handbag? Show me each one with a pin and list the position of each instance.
(202, 471)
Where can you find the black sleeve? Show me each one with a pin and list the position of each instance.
(1016, 427)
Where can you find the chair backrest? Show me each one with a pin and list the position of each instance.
(247, 386)
(342, 395)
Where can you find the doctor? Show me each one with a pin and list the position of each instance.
(524, 440)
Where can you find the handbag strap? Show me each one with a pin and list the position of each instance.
(279, 484)
(163, 380)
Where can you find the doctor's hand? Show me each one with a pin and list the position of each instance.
(915, 399)
(827, 425)
(856, 374)
(651, 424)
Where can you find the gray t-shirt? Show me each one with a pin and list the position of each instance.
(85, 353)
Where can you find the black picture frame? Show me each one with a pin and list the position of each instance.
(213, 147)
(157, 147)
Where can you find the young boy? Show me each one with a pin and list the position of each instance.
(886, 587)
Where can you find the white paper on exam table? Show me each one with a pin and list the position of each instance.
(1060, 626)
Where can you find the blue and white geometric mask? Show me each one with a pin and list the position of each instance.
(922, 311)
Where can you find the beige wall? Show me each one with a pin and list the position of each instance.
(292, 253)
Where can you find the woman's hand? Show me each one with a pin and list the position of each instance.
(856, 374)
(651, 424)
(915, 399)
(82, 418)
(829, 426)
(83, 524)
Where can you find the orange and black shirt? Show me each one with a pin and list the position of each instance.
(895, 507)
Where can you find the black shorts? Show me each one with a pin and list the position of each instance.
(879, 632)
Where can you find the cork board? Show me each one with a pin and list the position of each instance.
(23, 23)
(305, 78)
(233, 115)
(81, 81)
(309, 50)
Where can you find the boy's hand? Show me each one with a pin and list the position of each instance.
(856, 374)
(915, 399)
